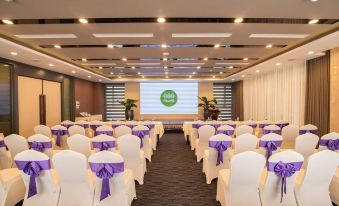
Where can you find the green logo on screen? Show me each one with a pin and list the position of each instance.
(168, 98)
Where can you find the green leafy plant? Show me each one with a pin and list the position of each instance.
(129, 103)
(207, 104)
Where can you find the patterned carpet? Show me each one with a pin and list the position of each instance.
(174, 178)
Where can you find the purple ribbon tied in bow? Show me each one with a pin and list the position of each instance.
(2, 143)
(226, 132)
(33, 169)
(106, 145)
(105, 171)
(59, 133)
(270, 146)
(94, 127)
(221, 147)
(304, 131)
(284, 170)
(268, 131)
(40, 146)
(141, 134)
(109, 133)
(150, 126)
(331, 144)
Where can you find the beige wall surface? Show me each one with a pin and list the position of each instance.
(334, 90)
(132, 91)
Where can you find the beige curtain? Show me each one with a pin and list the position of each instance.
(318, 93)
(237, 101)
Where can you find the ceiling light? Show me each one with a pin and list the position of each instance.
(124, 59)
(166, 77)
(6, 21)
(165, 53)
(57, 46)
(217, 46)
(238, 20)
(213, 77)
(211, 70)
(257, 71)
(14, 53)
(221, 72)
(89, 76)
(139, 73)
(161, 20)
(99, 80)
(230, 67)
(198, 67)
(119, 77)
(84, 60)
(111, 73)
(100, 67)
(232, 63)
(166, 72)
(83, 20)
(193, 73)
(110, 46)
(165, 59)
(245, 59)
(201, 35)
(313, 21)
(310, 52)
(269, 46)
(205, 59)
(287, 36)
(190, 76)
(142, 76)
(6, 65)
(314, 0)
(243, 75)
(163, 46)
(73, 72)
(51, 65)
(233, 79)
(46, 36)
(133, 67)
(118, 35)
(165, 67)
(278, 64)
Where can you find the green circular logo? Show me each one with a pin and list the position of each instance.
(168, 98)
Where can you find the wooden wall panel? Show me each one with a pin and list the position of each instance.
(52, 91)
(334, 90)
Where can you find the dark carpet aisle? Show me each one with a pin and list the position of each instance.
(174, 178)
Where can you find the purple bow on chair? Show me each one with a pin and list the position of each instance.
(2, 143)
(221, 147)
(106, 145)
(109, 133)
(253, 125)
(270, 145)
(59, 133)
(67, 125)
(33, 169)
(94, 127)
(150, 126)
(83, 125)
(226, 132)
(141, 134)
(40, 146)
(284, 170)
(331, 144)
(304, 131)
(282, 125)
(105, 171)
(268, 131)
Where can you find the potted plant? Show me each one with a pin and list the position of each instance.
(207, 104)
(129, 104)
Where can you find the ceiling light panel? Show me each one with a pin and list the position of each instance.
(282, 36)
(232, 63)
(139, 63)
(46, 36)
(187, 63)
(201, 35)
(123, 35)
(99, 64)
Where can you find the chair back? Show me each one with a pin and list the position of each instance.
(289, 134)
(264, 123)
(329, 141)
(271, 129)
(305, 144)
(205, 132)
(95, 124)
(251, 123)
(44, 130)
(16, 144)
(60, 134)
(80, 143)
(144, 136)
(270, 144)
(309, 128)
(213, 152)
(5, 159)
(245, 142)
(41, 143)
(100, 139)
(104, 129)
(67, 123)
(83, 123)
(271, 193)
(75, 184)
(225, 129)
(76, 129)
(243, 129)
(244, 182)
(116, 183)
(122, 130)
(314, 188)
(129, 146)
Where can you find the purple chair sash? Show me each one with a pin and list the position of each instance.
(215, 126)
(67, 125)
(253, 125)
(94, 126)
(221, 147)
(196, 126)
(284, 170)
(40, 146)
(262, 125)
(127, 125)
(105, 171)
(232, 125)
(226, 132)
(2, 143)
(59, 133)
(109, 133)
(105, 145)
(150, 126)
(270, 145)
(33, 169)
(282, 125)
(268, 131)
(83, 125)
(331, 144)
(141, 134)
(304, 131)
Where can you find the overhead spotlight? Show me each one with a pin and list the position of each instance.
(313, 21)
(100, 67)
(99, 80)
(110, 46)
(14, 53)
(139, 73)
(7, 21)
(221, 72)
(257, 71)
(163, 46)
(213, 77)
(310, 52)
(165, 59)
(269, 46)
(198, 67)
(84, 59)
(238, 20)
(205, 59)
(124, 59)
(217, 46)
(161, 20)
(89, 76)
(57, 46)
(83, 20)
(165, 53)
(243, 75)
(119, 77)
(193, 73)
(51, 65)
(133, 67)
(111, 73)
(230, 67)
(245, 59)
(278, 64)
(73, 72)
(314, 0)
(165, 67)
(233, 79)
(5, 65)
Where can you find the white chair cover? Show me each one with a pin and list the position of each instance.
(104, 138)
(122, 186)
(63, 138)
(205, 132)
(313, 189)
(86, 126)
(146, 141)
(12, 188)
(122, 130)
(67, 123)
(245, 142)
(308, 128)
(272, 128)
(134, 157)
(210, 168)
(75, 180)
(153, 136)
(222, 130)
(240, 185)
(80, 143)
(194, 134)
(94, 125)
(16, 144)
(43, 139)
(76, 129)
(305, 144)
(270, 192)
(5, 156)
(243, 129)
(334, 188)
(104, 129)
(44, 130)
(325, 144)
(289, 134)
(272, 137)
(47, 186)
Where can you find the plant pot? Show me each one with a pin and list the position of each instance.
(214, 114)
(129, 114)
(206, 114)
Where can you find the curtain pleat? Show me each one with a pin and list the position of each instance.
(237, 101)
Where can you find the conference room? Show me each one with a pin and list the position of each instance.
(169, 103)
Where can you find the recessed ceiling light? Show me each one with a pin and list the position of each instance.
(287, 36)
(165, 67)
(110, 46)
(14, 53)
(193, 73)
(89, 76)
(161, 20)
(278, 64)
(142, 76)
(51, 65)
(165, 53)
(119, 77)
(211, 70)
(6, 65)
(257, 71)
(133, 67)
(245, 59)
(7, 21)
(314, 0)
(190, 76)
(230, 67)
(233, 79)
(57, 46)
(217, 46)
(269, 46)
(84, 59)
(166, 72)
(201, 35)
(310, 52)
(165, 59)
(163, 46)
(83, 20)
(73, 72)
(111, 73)
(139, 73)
(198, 67)
(46, 36)
(238, 20)
(205, 59)
(313, 21)
(100, 67)
(213, 77)
(243, 75)
(221, 72)
(124, 59)
(99, 80)
(116, 35)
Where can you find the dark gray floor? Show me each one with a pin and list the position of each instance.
(174, 177)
